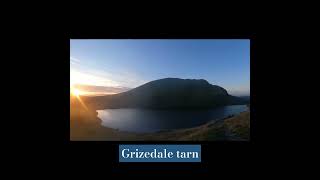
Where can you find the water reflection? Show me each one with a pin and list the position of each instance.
(141, 120)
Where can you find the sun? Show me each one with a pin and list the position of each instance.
(75, 92)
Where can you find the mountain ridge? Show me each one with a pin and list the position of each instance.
(168, 93)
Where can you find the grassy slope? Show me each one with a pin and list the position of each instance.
(235, 128)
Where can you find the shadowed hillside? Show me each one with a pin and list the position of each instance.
(86, 126)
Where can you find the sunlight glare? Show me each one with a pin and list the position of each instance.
(75, 92)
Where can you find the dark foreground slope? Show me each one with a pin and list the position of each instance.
(86, 126)
(168, 93)
(236, 128)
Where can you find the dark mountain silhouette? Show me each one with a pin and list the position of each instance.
(168, 93)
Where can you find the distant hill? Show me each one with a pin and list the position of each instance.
(245, 97)
(168, 93)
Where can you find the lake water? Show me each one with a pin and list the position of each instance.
(142, 120)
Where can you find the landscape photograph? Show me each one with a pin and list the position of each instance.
(160, 90)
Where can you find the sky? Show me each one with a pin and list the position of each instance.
(129, 63)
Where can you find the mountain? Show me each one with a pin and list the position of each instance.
(168, 93)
